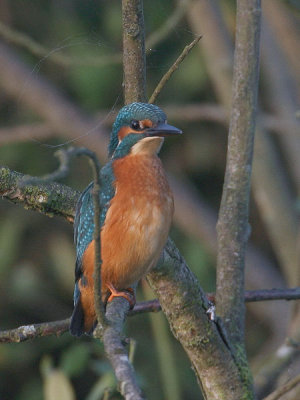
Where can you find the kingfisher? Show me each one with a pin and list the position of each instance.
(136, 210)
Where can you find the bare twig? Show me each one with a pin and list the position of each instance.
(65, 157)
(173, 68)
(35, 48)
(58, 327)
(268, 370)
(33, 331)
(273, 294)
(278, 393)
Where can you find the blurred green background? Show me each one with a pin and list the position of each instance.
(37, 253)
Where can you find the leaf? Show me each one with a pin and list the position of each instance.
(58, 386)
(74, 360)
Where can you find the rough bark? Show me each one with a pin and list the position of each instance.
(134, 56)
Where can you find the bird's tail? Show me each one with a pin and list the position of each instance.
(77, 320)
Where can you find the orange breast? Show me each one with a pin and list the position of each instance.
(138, 220)
(135, 230)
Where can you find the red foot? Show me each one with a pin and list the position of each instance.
(128, 294)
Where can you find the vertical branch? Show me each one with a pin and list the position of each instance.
(232, 227)
(134, 58)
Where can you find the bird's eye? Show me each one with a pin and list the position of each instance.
(135, 125)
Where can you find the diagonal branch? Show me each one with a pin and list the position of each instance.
(173, 68)
(280, 392)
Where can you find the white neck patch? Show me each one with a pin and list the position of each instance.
(148, 145)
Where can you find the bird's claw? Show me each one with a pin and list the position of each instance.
(128, 294)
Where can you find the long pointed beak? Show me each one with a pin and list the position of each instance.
(163, 130)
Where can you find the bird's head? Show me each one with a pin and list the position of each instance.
(139, 126)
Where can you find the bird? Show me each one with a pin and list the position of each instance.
(136, 210)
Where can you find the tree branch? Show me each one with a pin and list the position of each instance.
(116, 312)
(47, 198)
(26, 332)
(32, 331)
(186, 308)
(232, 227)
(269, 184)
(134, 58)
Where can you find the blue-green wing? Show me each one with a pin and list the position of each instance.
(83, 226)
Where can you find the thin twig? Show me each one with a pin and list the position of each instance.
(278, 393)
(26, 332)
(57, 327)
(35, 48)
(173, 68)
(65, 157)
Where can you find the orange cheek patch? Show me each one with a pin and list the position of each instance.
(124, 131)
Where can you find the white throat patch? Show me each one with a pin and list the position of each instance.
(149, 145)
